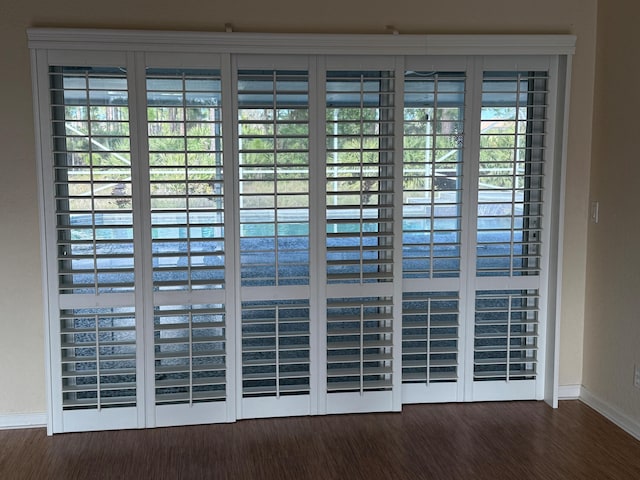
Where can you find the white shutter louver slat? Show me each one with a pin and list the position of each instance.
(359, 344)
(359, 170)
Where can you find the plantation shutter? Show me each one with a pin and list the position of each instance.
(97, 341)
(360, 111)
(275, 245)
(241, 226)
(509, 233)
(434, 104)
(188, 244)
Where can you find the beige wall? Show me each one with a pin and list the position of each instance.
(21, 307)
(612, 321)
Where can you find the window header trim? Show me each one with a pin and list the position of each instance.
(297, 43)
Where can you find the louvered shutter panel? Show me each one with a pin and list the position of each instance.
(432, 163)
(184, 118)
(359, 132)
(430, 346)
(511, 174)
(434, 105)
(185, 167)
(273, 166)
(349, 233)
(93, 180)
(509, 231)
(98, 358)
(94, 242)
(506, 335)
(273, 123)
(190, 354)
(275, 343)
(360, 112)
(359, 344)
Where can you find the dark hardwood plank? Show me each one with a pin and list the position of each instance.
(510, 440)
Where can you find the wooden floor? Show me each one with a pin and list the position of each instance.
(516, 440)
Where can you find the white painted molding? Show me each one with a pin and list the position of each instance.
(23, 420)
(569, 392)
(308, 44)
(628, 424)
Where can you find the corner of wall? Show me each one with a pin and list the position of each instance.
(628, 424)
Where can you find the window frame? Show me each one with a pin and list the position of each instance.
(137, 49)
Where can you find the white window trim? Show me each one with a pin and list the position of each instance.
(306, 44)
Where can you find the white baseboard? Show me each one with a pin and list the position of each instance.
(628, 424)
(23, 420)
(569, 392)
(565, 392)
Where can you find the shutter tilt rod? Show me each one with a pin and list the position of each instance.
(228, 28)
